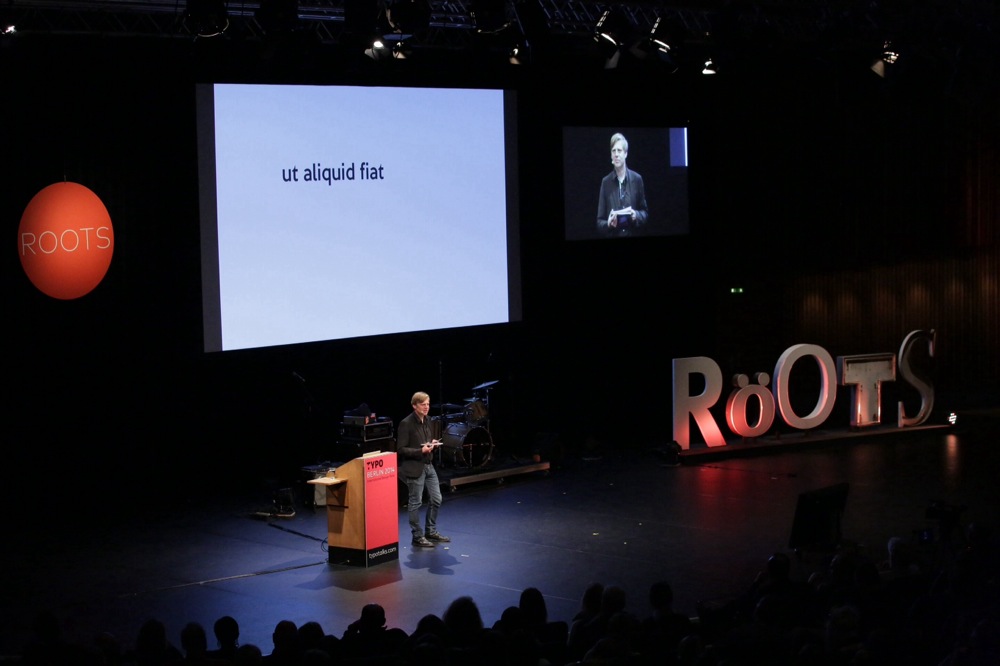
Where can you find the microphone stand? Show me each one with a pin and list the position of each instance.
(436, 454)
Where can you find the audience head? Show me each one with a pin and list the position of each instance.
(315, 657)
(194, 641)
(623, 624)
(152, 637)
(463, 619)
(248, 655)
(227, 631)
(532, 605)
(591, 601)
(612, 600)
(511, 621)
(661, 595)
(430, 625)
(430, 650)
(311, 635)
(779, 567)
(372, 617)
(843, 630)
(285, 636)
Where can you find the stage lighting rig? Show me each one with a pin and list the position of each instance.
(490, 16)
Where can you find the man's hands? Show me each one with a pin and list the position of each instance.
(613, 216)
(429, 446)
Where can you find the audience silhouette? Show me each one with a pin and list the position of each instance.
(368, 638)
(285, 639)
(586, 633)
(227, 636)
(924, 605)
(152, 648)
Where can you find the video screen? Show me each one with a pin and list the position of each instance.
(332, 212)
(622, 182)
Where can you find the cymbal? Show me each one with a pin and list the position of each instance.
(485, 385)
(446, 405)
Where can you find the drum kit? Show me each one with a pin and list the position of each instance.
(464, 430)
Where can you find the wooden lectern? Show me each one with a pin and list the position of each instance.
(362, 510)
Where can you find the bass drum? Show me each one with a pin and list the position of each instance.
(466, 446)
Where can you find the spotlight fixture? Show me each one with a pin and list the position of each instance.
(376, 49)
(517, 55)
(611, 34)
(888, 58)
(383, 50)
(662, 43)
(611, 27)
(889, 54)
(207, 18)
(709, 68)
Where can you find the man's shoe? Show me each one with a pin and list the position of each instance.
(438, 538)
(422, 542)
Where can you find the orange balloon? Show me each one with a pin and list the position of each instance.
(66, 240)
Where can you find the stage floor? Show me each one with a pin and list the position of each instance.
(617, 516)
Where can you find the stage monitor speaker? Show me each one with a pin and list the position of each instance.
(816, 526)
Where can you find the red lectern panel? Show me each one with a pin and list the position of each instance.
(362, 511)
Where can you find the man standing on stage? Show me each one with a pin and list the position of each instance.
(415, 445)
(621, 207)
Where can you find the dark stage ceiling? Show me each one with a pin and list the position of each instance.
(953, 33)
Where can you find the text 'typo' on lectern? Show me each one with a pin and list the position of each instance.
(362, 511)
